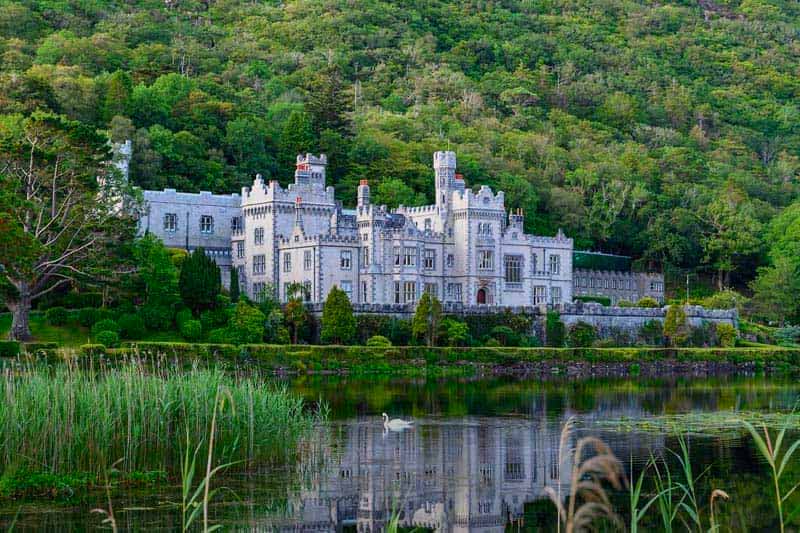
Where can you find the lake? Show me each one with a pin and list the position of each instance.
(479, 456)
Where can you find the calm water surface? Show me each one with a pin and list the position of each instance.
(478, 459)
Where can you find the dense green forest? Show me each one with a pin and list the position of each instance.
(665, 131)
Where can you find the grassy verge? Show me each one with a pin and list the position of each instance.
(304, 358)
(70, 334)
(62, 421)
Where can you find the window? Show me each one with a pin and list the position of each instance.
(429, 259)
(364, 294)
(287, 261)
(171, 222)
(347, 287)
(397, 256)
(236, 223)
(307, 260)
(365, 236)
(539, 295)
(451, 260)
(485, 259)
(555, 295)
(427, 224)
(397, 292)
(259, 264)
(555, 264)
(513, 264)
(307, 290)
(366, 256)
(454, 292)
(534, 263)
(409, 292)
(258, 291)
(346, 260)
(409, 256)
(258, 236)
(485, 229)
(206, 224)
(432, 289)
(240, 249)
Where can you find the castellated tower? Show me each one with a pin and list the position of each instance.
(444, 166)
(310, 170)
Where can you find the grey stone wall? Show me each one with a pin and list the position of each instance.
(618, 286)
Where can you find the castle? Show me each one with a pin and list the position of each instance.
(464, 249)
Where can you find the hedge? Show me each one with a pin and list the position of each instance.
(332, 357)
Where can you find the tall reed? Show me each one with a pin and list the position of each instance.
(64, 420)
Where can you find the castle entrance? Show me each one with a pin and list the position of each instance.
(481, 296)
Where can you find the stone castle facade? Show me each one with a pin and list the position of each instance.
(464, 249)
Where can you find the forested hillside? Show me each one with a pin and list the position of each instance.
(667, 131)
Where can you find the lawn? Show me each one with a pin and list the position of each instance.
(70, 334)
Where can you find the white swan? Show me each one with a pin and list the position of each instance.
(395, 424)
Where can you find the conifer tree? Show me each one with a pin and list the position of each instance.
(234, 285)
(199, 282)
(427, 318)
(338, 322)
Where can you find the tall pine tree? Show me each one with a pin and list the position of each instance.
(234, 285)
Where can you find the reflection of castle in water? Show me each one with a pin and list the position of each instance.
(467, 474)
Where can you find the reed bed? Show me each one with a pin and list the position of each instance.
(64, 420)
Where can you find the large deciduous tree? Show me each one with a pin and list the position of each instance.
(59, 210)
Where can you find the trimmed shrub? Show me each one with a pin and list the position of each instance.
(105, 325)
(505, 336)
(93, 349)
(338, 321)
(192, 330)
(157, 317)
(454, 332)
(581, 335)
(9, 348)
(56, 316)
(625, 303)
(219, 336)
(109, 339)
(246, 325)
(726, 334)
(131, 326)
(676, 329)
(647, 302)
(215, 318)
(379, 341)
(87, 316)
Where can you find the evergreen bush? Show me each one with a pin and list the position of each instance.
(87, 316)
(109, 339)
(199, 282)
(182, 316)
(131, 326)
(338, 321)
(379, 341)
(554, 329)
(581, 335)
(648, 302)
(56, 316)
(105, 325)
(9, 348)
(157, 317)
(726, 334)
(191, 330)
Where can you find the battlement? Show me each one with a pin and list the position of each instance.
(191, 198)
(305, 240)
(260, 192)
(419, 210)
(484, 198)
(444, 159)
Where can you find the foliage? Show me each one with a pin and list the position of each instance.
(105, 325)
(652, 333)
(295, 315)
(234, 285)
(191, 330)
(157, 317)
(647, 302)
(87, 316)
(246, 324)
(427, 319)
(379, 341)
(157, 273)
(726, 299)
(338, 322)
(182, 316)
(131, 326)
(676, 327)
(454, 332)
(58, 223)
(788, 335)
(199, 281)
(9, 348)
(109, 339)
(158, 405)
(726, 334)
(602, 300)
(581, 334)
(554, 329)
(57, 316)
